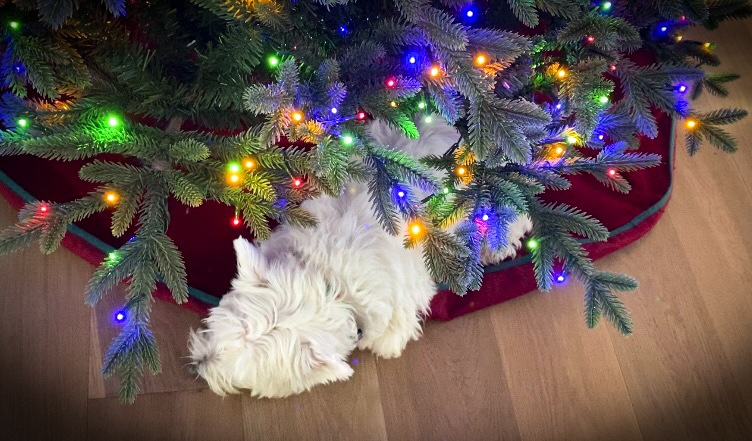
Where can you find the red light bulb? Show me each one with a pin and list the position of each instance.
(590, 38)
(391, 82)
(297, 182)
(43, 209)
(235, 222)
(361, 116)
(611, 172)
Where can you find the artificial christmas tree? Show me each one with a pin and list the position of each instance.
(260, 105)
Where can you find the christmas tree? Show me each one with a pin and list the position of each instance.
(263, 104)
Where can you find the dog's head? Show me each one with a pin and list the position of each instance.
(280, 331)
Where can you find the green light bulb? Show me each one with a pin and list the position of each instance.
(603, 99)
(347, 140)
(14, 24)
(571, 139)
(606, 6)
(234, 167)
(446, 190)
(532, 244)
(22, 122)
(113, 121)
(273, 61)
(112, 256)
(422, 105)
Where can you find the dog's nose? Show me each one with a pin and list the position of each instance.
(360, 334)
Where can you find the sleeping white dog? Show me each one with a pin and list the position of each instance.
(304, 299)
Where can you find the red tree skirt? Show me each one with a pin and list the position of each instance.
(204, 234)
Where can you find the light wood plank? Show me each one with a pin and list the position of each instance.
(676, 372)
(564, 380)
(719, 187)
(44, 326)
(350, 410)
(449, 385)
(190, 415)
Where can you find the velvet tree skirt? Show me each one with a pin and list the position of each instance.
(205, 235)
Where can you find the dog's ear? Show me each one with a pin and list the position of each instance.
(251, 263)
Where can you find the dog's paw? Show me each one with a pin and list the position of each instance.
(386, 351)
(391, 345)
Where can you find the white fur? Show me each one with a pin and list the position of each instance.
(290, 321)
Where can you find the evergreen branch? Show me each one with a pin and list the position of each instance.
(170, 264)
(574, 220)
(525, 11)
(722, 116)
(543, 264)
(18, 236)
(718, 138)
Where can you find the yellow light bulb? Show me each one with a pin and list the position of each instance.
(561, 73)
(691, 124)
(393, 103)
(249, 164)
(415, 229)
(461, 171)
(434, 71)
(480, 59)
(559, 150)
(297, 116)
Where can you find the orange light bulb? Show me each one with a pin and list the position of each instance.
(561, 73)
(297, 116)
(415, 229)
(435, 71)
(111, 197)
(461, 171)
(480, 59)
(691, 124)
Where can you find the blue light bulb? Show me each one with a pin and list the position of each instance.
(561, 278)
(334, 110)
(485, 217)
(412, 60)
(401, 194)
(120, 316)
(469, 13)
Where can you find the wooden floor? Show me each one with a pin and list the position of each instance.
(527, 369)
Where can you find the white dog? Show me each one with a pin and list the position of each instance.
(301, 299)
